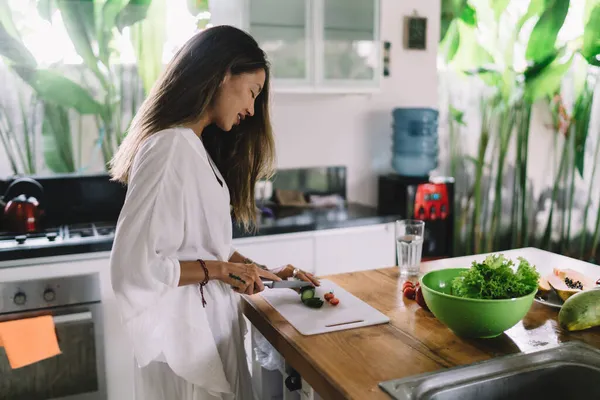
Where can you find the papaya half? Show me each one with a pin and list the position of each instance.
(581, 311)
(568, 282)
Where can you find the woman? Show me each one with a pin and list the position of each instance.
(196, 147)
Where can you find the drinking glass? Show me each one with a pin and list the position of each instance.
(409, 245)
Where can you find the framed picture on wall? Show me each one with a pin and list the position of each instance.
(415, 32)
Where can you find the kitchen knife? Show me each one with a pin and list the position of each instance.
(291, 284)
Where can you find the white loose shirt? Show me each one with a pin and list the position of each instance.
(175, 209)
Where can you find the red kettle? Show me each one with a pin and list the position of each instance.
(22, 210)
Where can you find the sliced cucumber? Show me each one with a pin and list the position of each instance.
(307, 292)
(314, 302)
(307, 295)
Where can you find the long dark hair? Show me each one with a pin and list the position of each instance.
(182, 95)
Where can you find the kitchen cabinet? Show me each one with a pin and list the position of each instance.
(353, 249)
(277, 250)
(314, 46)
(327, 251)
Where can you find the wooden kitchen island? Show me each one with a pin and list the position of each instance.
(349, 364)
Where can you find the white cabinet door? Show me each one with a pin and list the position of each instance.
(349, 49)
(278, 250)
(314, 46)
(353, 249)
(282, 30)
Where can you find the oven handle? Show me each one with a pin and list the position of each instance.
(75, 317)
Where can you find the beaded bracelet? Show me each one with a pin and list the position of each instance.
(204, 281)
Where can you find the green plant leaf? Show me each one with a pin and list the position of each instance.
(56, 139)
(457, 116)
(548, 80)
(134, 11)
(107, 22)
(11, 45)
(538, 67)
(543, 37)
(490, 76)
(148, 38)
(6, 20)
(499, 6)
(56, 89)
(78, 17)
(535, 8)
(587, 11)
(451, 42)
(470, 54)
(14, 50)
(468, 15)
(591, 38)
(46, 9)
(451, 9)
(582, 114)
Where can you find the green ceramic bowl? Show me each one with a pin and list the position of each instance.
(473, 318)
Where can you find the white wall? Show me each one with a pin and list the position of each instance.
(355, 130)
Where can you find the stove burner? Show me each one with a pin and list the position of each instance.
(105, 231)
(62, 234)
(81, 231)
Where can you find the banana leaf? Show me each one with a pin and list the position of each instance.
(79, 21)
(591, 38)
(134, 11)
(6, 20)
(56, 139)
(451, 9)
(46, 8)
(582, 114)
(11, 46)
(587, 11)
(107, 21)
(535, 8)
(470, 54)
(546, 81)
(468, 15)
(542, 41)
(490, 76)
(58, 90)
(449, 45)
(148, 38)
(499, 6)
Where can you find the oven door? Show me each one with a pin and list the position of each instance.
(76, 373)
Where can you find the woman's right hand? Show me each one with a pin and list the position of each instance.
(245, 278)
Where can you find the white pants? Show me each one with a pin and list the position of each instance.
(157, 381)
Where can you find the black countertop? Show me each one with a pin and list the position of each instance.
(291, 220)
(285, 220)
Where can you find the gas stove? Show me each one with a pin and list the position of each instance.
(59, 240)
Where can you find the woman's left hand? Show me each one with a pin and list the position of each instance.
(289, 271)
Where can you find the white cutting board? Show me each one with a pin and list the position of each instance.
(350, 313)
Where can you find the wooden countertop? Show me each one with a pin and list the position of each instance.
(349, 364)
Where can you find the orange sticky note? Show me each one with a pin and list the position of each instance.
(29, 340)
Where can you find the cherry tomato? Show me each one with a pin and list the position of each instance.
(410, 293)
(420, 299)
(328, 296)
(334, 301)
(407, 284)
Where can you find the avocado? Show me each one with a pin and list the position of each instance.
(581, 311)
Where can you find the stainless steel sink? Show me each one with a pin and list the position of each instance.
(567, 371)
